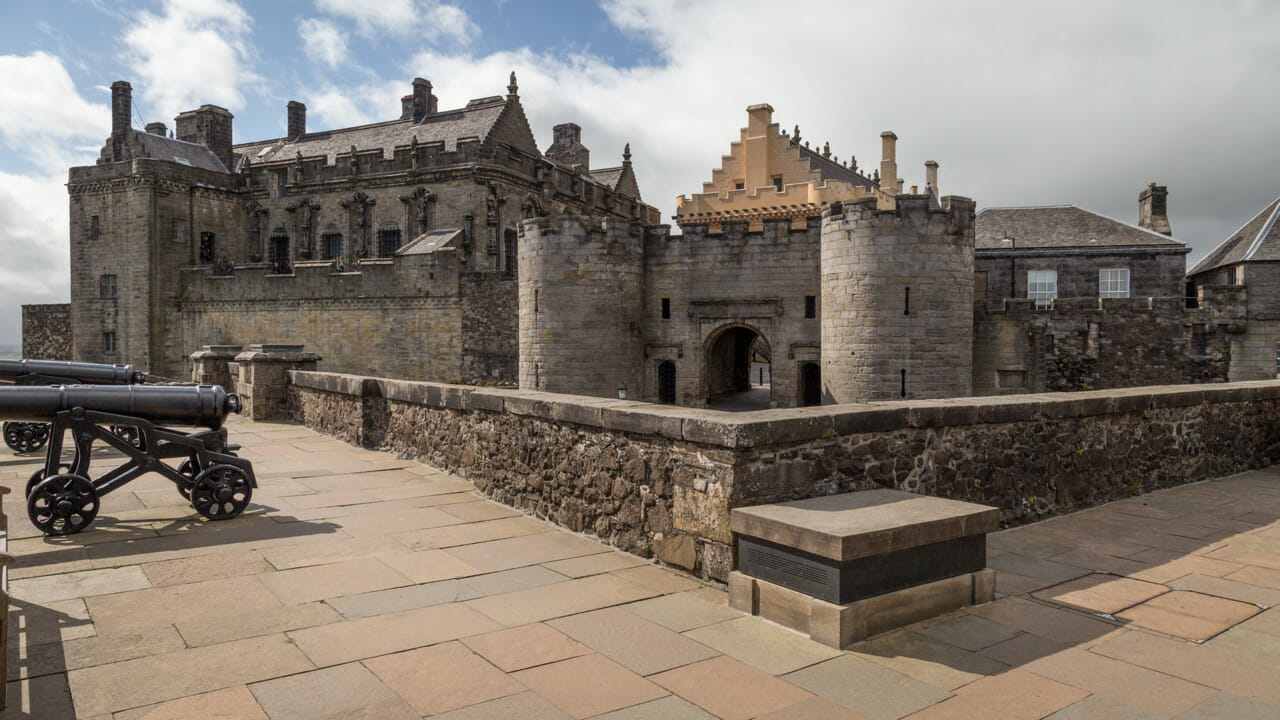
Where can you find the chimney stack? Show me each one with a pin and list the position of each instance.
(210, 126)
(567, 148)
(406, 107)
(121, 112)
(931, 177)
(297, 120)
(889, 162)
(157, 128)
(1153, 211)
(424, 103)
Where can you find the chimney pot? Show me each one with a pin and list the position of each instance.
(424, 103)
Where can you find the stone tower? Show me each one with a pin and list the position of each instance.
(581, 306)
(897, 299)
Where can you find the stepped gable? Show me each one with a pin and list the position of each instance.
(1259, 239)
(1061, 226)
(483, 120)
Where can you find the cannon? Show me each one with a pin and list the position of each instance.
(62, 498)
(31, 436)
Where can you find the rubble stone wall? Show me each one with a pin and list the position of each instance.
(660, 480)
(46, 332)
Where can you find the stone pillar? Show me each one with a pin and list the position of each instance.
(209, 365)
(263, 372)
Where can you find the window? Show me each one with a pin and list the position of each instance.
(738, 185)
(1236, 275)
(509, 250)
(330, 245)
(179, 230)
(810, 306)
(107, 287)
(109, 341)
(1113, 283)
(777, 183)
(1042, 286)
(666, 308)
(388, 241)
(95, 227)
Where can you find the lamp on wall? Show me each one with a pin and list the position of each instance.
(622, 391)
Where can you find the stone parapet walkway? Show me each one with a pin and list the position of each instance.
(359, 585)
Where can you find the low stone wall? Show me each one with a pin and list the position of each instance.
(46, 332)
(660, 480)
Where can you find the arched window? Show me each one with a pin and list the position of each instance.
(389, 240)
(278, 252)
(330, 242)
(667, 382)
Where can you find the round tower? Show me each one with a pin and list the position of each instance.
(897, 300)
(581, 305)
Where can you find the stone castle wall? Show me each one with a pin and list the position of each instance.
(581, 297)
(734, 278)
(661, 480)
(897, 300)
(1096, 343)
(46, 332)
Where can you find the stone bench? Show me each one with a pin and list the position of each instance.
(843, 567)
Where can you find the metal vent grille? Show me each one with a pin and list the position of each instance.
(761, 557)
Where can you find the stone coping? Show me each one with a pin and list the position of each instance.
(783, 426)
(862, 524)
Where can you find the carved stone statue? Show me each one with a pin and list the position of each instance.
(255, 214)
(418, 205)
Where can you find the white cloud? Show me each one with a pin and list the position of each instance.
(44, 120)
(194, 52)
(432, 19)
(40, 110)
(323, 41)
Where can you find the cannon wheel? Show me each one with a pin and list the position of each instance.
(25, 437)
(38, 475)
(63, 504)
(221, 492)
(189, 468)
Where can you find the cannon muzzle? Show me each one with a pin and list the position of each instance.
(55, 372)
(184, 405)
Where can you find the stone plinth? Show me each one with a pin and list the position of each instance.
(209, 365)
(845, 566)
(262, 376)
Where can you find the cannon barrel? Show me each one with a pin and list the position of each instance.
(48, 371)
(186, 405)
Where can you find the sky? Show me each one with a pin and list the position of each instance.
(1021, 103)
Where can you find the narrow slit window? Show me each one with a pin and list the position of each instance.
(903, 389)
(666, 308)
(906, 301)
(810, 306)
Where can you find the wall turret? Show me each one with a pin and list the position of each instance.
(897, 300)
(581, 306)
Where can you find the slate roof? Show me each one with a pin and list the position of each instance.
(429, 242)
(476, 120)
(1259, 239)
(182, 152)
(831, 170)
(608, 177)
(1062, 226)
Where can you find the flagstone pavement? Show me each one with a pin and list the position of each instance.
(359, 585)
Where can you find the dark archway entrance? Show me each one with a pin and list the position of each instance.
(810, 384)
(730, 360)
(667, 382)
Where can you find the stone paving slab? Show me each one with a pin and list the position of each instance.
(358, 585)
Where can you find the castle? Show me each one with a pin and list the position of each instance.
(443, 245)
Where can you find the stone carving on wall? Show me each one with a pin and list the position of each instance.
(296, 171)
(531, 208)
(493, 210)
(413, 154)
(354, 162)
(358, 207)
(306, 228)
(418, 206)
(255, 214)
